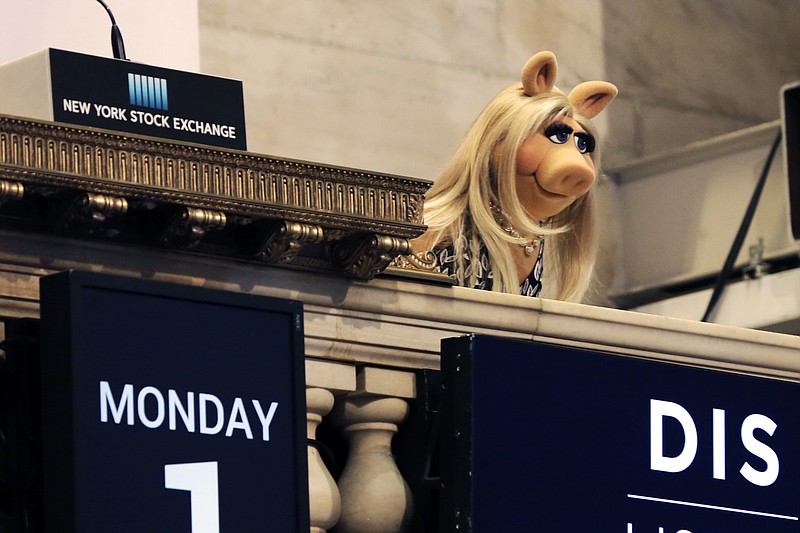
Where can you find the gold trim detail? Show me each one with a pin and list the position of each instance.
(367, 256)
(10, 191)
(101, 205)
(189, 225)
(282, 241)
(423, 266)
(249, 184)
(180, 195)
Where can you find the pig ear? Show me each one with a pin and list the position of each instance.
(539, 74)
(591, 97)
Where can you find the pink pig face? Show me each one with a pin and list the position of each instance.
(554, 168)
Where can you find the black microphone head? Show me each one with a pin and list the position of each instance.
(117, 44)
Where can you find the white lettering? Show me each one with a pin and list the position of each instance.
(660, 529)
(265, 420)
(142, 399)
(238, 420)
(107, 399)
(760, 450)
(206, 128)
(718, 436)
(152, 407)
(658, 410)
(187, 413)
(76, 106)
(105, 111)
(204, 398)
(150, 119)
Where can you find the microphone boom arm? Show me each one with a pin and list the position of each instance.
(117, 44)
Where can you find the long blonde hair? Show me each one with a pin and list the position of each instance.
(482, 172)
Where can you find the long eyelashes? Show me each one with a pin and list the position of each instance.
(559, 133)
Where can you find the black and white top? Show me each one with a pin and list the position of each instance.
(482, 268)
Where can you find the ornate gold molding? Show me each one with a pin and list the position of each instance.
(216, 201)
(11, 191)
(423, 266)
(366, 256)
(281, 241)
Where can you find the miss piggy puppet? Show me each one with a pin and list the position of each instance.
(514, 207)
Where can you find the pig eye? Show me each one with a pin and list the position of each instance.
(584, 142)
(558, 132)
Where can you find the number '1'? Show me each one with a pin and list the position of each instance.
(200, 479)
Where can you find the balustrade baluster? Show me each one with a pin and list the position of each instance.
(323, 379)
(375, 497)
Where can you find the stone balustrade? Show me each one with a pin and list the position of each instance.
(366, 340)
(367, 405)
(368, 335)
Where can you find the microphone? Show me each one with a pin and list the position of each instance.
(117, 45)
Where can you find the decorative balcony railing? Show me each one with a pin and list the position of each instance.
(251, 207)
(369, 338)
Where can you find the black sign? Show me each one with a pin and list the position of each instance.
(538, 437)
(171, 408)
(790, 127)
(135, 98)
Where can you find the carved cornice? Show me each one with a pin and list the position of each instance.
(423, 266)
(147, 190)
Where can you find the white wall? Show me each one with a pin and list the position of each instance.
(159, 32)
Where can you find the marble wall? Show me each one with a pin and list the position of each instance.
(392, 86)
(693, 69)
(384, 85)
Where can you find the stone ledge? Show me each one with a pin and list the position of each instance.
(398, 323)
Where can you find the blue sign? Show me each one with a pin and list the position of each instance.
(538, 437)
(171, 408)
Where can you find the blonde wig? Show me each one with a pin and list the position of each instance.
(482, 173)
